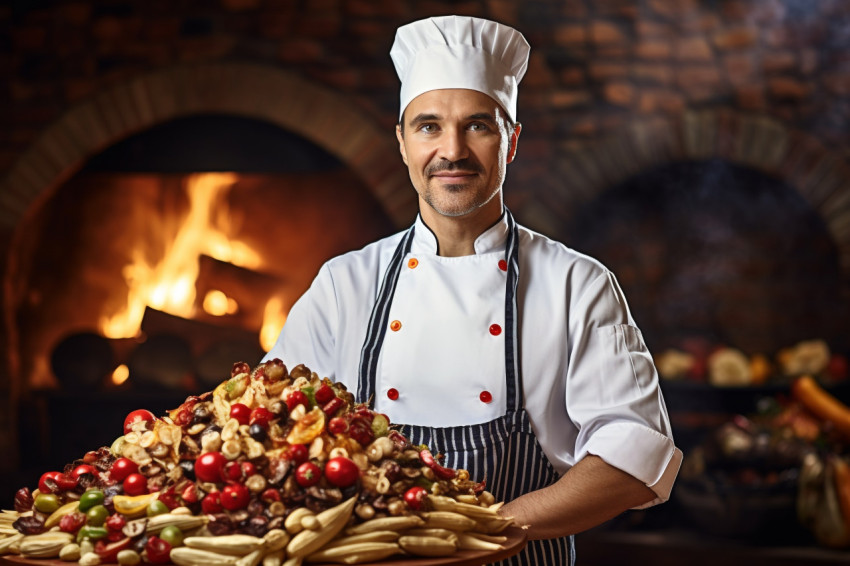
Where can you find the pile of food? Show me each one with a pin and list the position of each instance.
(274, 466)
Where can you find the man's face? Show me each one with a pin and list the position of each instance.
(456, 149)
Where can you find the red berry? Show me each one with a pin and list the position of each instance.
(415, 496)
(137, 416)
(115, 522)
(324, 393)
(270, 495)
(261, 416)
(240, 412)
(121, 468)
(208, 466)
(211, 503)
(337, 425)
(232, 471)
(72, 522)
(189, 494)
(83, 469)
(157, 550)
(135, 484)
(308, 474)
(235, 496)
(45, 486)
(296, 453)
(248, 469)
(240, 367)
(297, 398)
(341, 471)
(66, 482)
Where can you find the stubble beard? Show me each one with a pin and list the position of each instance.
(448, 200)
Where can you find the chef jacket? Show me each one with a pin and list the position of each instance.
(589, 382)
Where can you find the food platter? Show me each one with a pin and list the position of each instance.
(516, 541)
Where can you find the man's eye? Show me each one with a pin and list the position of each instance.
(428, 128)
(478, 127)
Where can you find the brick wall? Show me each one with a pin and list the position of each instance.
(614, 88)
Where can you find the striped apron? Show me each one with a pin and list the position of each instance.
(503, 451)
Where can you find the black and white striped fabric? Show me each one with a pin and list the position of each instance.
(504, 451)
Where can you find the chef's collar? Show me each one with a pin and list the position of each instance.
(491, 240)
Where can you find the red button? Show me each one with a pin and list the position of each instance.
(495, 329)
(412, 263)
(485, 397)
(392, 393)
(395, 326)
(503, 265)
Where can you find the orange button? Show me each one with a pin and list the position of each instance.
(392, 393)
(395, 326)
(503, 265)
(495, 329)
(485, 397)
(412, 263)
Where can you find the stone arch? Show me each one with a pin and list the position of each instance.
(243, 89)
(821, 176)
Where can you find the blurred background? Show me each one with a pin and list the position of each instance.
(173, 173)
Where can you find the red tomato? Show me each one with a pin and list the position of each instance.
(261, 416)
(296, 453)
(232, 471)
(235, 496)
(135, 484)
(83, 469)
(139, 415)
(415, 496)
(66, 482)
(341, 471)
(240, 412)
(211, 503)
(121, 468)
(297, 398)
(158, 551)
(209, 466)
(308, 474)
(43, 487)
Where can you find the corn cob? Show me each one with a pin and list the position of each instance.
(274, 558)
(252, 558)
(276, 539)
(45, 545)
(182, 522)
(374, 536)
(187, 556)
(292, 523)
(332, 520)
(448, 520)
(356, 553)
(398, 523)
(427, 546)
(235, 545)
(470, 542)
(442, 503)
(10, 544)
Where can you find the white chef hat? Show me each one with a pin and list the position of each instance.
(460, 52)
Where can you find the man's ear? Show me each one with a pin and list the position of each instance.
(513, 142)
(400, 138)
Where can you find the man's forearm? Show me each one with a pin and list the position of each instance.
(589, 494)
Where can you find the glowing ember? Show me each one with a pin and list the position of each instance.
(273, 318)
(169, 286)
(217, 303)
(120, 374)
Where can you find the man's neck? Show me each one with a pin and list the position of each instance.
(456, 235)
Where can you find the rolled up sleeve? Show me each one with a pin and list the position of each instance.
(612, 393)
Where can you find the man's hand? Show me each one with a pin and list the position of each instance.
(589, 494)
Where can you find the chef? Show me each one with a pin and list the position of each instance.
(511, 354)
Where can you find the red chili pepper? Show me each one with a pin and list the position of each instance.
(441, 472)
(333, 406)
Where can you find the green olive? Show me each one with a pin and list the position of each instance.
(157, 507)
(172, 535)
(46, 502)
(91, 498)
(97, 515)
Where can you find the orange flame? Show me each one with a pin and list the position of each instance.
(274, 316)
(169, 286)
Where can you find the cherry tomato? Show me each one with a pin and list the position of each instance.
(137, 416)
(83, 469)
(157, 550)
(308, 474)
(66, 482)
(415, 496)
(232, 471)
(240, 412)
(45, 487)
(324, 393)
(341, 471)
(121, 468)
(248, 469)
(297, 398)
(296, 453)
(211, 503)
(209, 466)
(235, 496)
(261, 416)
(337, 425)
(135, 484)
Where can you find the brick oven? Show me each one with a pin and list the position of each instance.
(697, 148)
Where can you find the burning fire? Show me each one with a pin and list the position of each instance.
(169, 285)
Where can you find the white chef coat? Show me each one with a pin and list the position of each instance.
(589, 382)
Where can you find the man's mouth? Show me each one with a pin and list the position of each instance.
(454, 177)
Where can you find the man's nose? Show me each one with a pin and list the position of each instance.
(454, 145)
